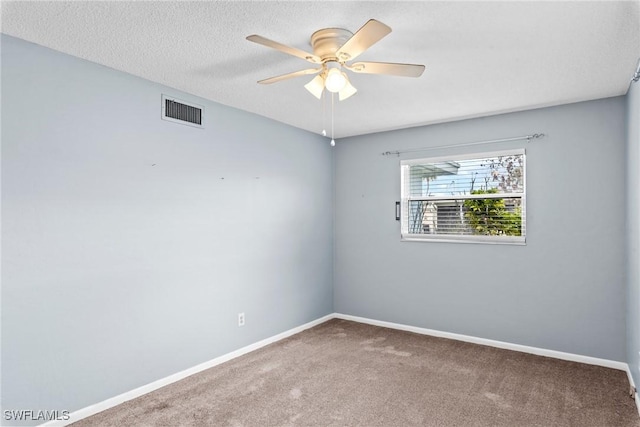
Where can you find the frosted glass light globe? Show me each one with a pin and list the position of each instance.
(335, 80)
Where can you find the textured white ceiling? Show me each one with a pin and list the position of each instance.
(482, 58)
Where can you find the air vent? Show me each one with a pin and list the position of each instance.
(178, 111)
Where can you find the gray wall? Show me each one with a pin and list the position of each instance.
(127, 256)
(633, 230)
(131, 243)
(564, 290)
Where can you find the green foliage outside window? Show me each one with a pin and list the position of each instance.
(490, 217)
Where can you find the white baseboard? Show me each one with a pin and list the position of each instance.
(633, 384)
(492, 343)
(124, 397)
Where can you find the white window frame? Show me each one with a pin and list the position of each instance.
(406, 198)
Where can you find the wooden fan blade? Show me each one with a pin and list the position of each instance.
(290, 75)
(284, 48)
(369, 34)
(390, 68)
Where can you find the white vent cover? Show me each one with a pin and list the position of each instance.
(178, 111)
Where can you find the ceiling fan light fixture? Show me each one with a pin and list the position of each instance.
(347, 91)
(332, 48)
(335, 81)
(316, 86)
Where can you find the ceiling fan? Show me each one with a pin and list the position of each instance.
(332, 49)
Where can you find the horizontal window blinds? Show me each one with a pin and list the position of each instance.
(481, 197)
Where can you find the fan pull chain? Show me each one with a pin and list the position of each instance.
(323, 100)
(333, 141)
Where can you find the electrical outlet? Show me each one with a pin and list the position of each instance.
(240, 319)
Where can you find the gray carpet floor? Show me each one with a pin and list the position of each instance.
(343, 373)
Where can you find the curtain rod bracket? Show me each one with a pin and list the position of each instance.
(535, 136)
(388, 153)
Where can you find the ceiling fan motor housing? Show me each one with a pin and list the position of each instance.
(326, 42)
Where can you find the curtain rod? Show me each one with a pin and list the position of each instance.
(466, 144)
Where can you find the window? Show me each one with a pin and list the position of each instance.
(474, 198)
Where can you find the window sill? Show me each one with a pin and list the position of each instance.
(507, 240)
